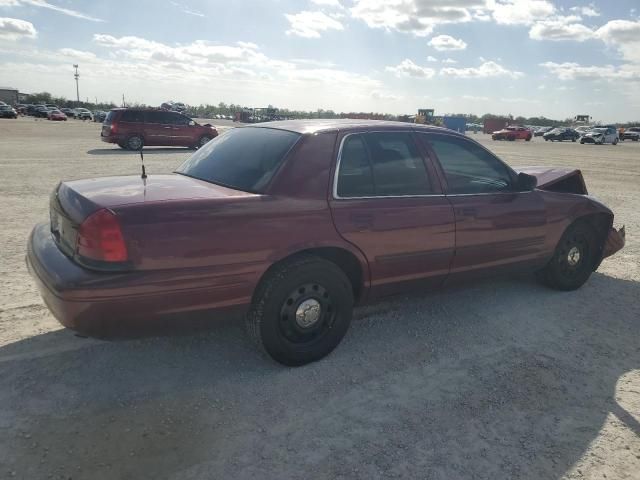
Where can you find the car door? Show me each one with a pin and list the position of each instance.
(158, 128)
(386, 201)
(182, 131)
(497, 226)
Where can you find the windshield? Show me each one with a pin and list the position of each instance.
(242, 158)
(599, 130)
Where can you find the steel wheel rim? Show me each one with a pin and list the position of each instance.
(573, 254)
(307, 314)
(204, 141)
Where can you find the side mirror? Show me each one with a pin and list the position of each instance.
(192, 123)
(526, 183)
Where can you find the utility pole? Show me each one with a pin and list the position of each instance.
(77, 76)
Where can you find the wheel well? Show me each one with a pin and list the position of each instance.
(601, 223)
(343, 259)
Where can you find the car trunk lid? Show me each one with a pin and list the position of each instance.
(72, 202)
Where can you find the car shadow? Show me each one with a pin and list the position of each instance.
(147, 151)
(504, 379)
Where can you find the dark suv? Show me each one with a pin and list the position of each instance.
(133, 128)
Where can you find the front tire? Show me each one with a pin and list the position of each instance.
(203, 141)
(574, 259)
(301, 310)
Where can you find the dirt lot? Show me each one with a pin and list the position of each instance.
(499, 380)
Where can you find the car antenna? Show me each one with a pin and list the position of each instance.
(144, 173)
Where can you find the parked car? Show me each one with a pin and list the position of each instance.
(560, 134)
(132, 128)
(541, 131)
(512, 133)
(6, 111)
(632, 133)
(600, 135)
(68, 112)
(276, 222)
(82, 114)
(582, 129)
(99, 116)
(56, 115)
(42, 111)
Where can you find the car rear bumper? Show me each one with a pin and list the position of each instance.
(107, 303)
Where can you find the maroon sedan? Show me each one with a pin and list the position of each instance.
(294, 222)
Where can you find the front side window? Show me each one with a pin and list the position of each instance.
(241, 158)
(381, 164)
(469, 168)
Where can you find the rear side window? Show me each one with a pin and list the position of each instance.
(108, 120)
(381, 164)
(242, 158)
(355, 178)
(469, 168)
(133, 116)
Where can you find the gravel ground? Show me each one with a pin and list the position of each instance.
(498, 380)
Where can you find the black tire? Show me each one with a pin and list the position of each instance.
(135, 142)
(561, 273)
(203, 140)
(528, 139)
(122, 145)
(273, 321)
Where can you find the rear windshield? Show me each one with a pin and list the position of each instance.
(243, 158)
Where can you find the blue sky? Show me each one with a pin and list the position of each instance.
(555, 58)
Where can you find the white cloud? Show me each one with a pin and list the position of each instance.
(186, 9)
(407, 68)
(309, 24)
(418, 17)
(521, 12)
(431, 59)
(486, 70)
(449, 61)
(575, 71)
(46, 5)
(561, 28)
(476, 98)
(447, 42)
(623, 35)
(587, 11)
(16, 29)
(77, 54)
(378, 95)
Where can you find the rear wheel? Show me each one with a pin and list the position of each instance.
(573, 260)
(135, 142)
(615, 141)
(301, 310)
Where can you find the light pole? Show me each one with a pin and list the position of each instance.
(77, 76)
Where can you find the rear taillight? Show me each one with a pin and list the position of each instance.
(114, 128)
(100, 238)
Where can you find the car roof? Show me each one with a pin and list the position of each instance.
(327, 125)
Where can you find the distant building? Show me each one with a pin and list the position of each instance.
(582, 119)
(9, 95)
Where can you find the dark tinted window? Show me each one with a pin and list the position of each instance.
(159, 117)
(381, 164)
(178, 119)
(468, 167)
(136, 116)
(242, 158)
(355, 178)
(398, 168)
